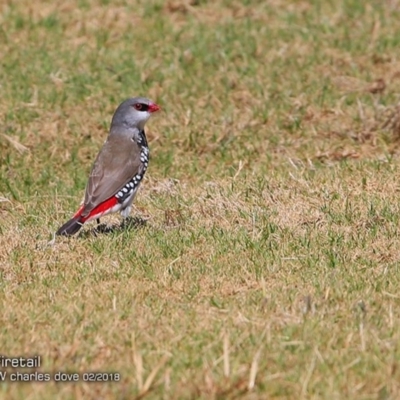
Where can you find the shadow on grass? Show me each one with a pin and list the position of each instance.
(128, 224)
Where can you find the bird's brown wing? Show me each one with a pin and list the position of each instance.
(117, 162)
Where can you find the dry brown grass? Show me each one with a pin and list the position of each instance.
(263, 260)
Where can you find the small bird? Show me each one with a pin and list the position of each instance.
(119, 167)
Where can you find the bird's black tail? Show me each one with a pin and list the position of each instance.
(70, 227)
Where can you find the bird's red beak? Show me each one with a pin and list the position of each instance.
(153, 107)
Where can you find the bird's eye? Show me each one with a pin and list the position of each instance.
(141, 107)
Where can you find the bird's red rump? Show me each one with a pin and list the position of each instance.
(79, 212)
(99, 210)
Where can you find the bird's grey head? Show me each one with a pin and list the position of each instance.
(133, 113)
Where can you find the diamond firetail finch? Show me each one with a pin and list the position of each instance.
(119, 167)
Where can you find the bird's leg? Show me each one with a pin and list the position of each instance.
(125, 216)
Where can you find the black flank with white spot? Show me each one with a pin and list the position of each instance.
(134, 183)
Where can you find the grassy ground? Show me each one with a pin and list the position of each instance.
(266, 263)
